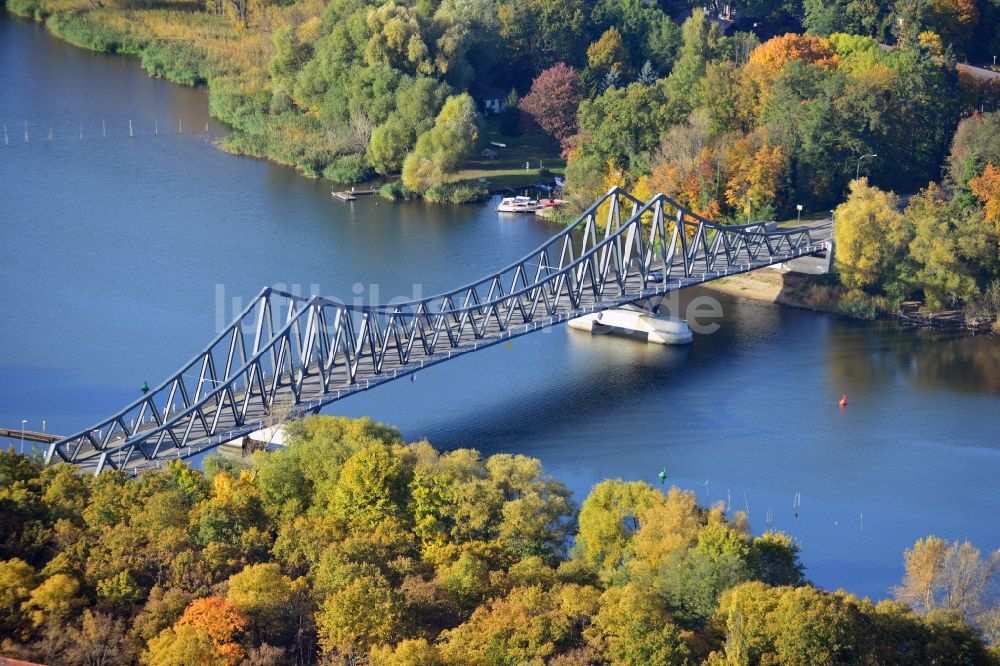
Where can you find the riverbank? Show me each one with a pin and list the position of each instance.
(176, 41)
(821, 294)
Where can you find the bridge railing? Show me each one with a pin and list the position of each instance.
(325, 346)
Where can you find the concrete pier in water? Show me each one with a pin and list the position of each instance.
(661, 329)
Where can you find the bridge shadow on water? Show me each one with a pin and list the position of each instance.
(571, 381)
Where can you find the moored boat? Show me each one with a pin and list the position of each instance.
(518, 205)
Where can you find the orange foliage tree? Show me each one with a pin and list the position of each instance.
(222, 620)
(690, 184)
(768, 60)
(986, 188)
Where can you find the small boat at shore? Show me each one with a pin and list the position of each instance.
(518, 205)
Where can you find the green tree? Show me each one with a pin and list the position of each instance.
(418, 101)
(776, 559)
(537, 34)
(700, 42)
(858, 17)
(440, 150)
(233, 516)
(466, 581)
(289, 53)
(663, 41)
(397, 39)
(949, 247)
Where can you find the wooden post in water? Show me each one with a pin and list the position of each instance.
(81, 131)
(104, 129)
(180, 126)
(130, 128)
(156, 127)
(6, 141)
(50, 132)
(26, 132)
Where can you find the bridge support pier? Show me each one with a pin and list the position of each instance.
(661, 329)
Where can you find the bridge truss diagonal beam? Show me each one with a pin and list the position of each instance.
(286, 353)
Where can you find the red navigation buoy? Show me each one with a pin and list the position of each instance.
(843, 400)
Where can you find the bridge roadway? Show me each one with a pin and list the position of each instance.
(29, 436)
(624, 267)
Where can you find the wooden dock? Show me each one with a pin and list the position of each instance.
(353, 194)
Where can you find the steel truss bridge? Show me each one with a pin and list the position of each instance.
(289, 354)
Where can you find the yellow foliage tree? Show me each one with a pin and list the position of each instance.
(608, 53)
(870, 235)
(364, 613)
(755, 174)
(54, 600)
(931, 41)
(411, 652)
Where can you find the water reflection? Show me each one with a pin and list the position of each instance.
(880, 354)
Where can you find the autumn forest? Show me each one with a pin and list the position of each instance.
(352, 547)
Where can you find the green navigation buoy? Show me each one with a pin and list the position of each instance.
(145, 388)
(662, 474)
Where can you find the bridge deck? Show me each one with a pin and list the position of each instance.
(340, 386)
(29, 436)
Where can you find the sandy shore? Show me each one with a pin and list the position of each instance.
(766, 284)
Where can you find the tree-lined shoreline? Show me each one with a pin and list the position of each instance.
(350, 546)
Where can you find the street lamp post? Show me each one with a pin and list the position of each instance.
(23, 423)
(857, 172)
(749, 209)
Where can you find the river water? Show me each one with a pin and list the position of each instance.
(120, 256)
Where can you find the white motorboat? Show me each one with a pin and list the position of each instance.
(518, 205)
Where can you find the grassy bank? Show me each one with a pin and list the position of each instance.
(507, 169)
(175, 40)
